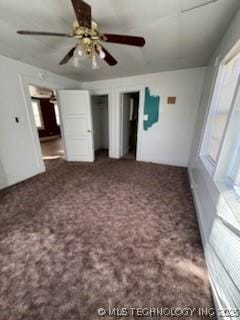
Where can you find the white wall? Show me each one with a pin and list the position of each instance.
(19, 158)
(168, 141)
(100, 121)
(206, 193)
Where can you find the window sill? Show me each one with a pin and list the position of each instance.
(208, 164)
(228, 207)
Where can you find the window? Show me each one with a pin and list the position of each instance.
(37, 114)
(227, 175)
(220, 150)
(220, 108)
(235, 169)
(57, 114)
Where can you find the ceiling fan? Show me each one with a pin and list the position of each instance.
(89, 38)
(53, 98)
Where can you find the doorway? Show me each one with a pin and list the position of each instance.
(129, 126)
(100, 118)
(47, 121)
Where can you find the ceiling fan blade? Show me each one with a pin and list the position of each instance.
(68, 56)
(123, 39)
(40, 33)
(108, 57)
(83, 13)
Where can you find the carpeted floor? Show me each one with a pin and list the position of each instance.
(116, 233)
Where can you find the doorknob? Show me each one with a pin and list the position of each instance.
(89, 131)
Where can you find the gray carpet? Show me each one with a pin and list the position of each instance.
(116, 233)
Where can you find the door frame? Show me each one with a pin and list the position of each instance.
(107, 92)
(121, 92)
(25, 81)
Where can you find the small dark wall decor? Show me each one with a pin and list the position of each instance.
(171, 100)
(51, 127)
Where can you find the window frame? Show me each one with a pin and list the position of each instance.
(222, 170)
(233, 169)
(40, 114)
(209, 163)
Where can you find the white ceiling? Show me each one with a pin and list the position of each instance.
(174, 39)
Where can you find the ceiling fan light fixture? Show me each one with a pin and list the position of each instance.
(102, 54)
(94, 62)
(78, 52)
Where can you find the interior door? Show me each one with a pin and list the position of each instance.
(76, 124)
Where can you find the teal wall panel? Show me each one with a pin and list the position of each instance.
(151, 109)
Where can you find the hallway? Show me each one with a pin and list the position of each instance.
(52, 149)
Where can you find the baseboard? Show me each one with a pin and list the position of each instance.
(198, 207)
(204, 238)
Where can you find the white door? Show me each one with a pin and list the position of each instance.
(76, 120)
